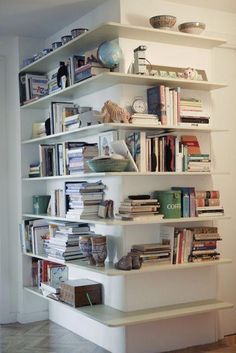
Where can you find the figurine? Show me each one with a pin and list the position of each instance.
(189, 74)
(62, 75)
(112, 113)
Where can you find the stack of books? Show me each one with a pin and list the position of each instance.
(88, 70)
(34, 170)
(77, 154)
(71, 122)
(64, 244)
(193, 159)
(146, 119)
(204, 245)
(83, 199)
(139, 208)
(153, 253)
(191, 112)
(208, 203)
(199, 162)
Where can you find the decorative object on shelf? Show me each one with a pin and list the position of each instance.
(46, 51)
(162, 21)
(136, 261)
(113, 113)
(27, 61)
(78, 31)
(104, 142)
(189, 74)
(108, 164)
(62, 75)
(56, 45)
(170, 203)
(192, 27)
(106, 209)
(66, 39)
(139, 105)
(176, 72)
(81, 292)
(40, 204)
(99, 250)
(85, 245)
(140, 60)
(125, 263)
(109, 54)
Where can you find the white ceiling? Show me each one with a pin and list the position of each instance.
(221, 5)
(41, 18)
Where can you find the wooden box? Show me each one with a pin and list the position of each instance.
(81, 292)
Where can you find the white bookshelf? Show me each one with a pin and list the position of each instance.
(99, 128)
(110, 270)
(117, 222)
(117, 310)
(116, 318)
(110, 31)
(109, 79)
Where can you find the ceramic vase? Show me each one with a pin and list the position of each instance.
(99, 250)
(85, 245)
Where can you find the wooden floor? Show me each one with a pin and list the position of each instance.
(47, 337)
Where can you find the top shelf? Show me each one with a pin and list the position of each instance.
(111, 30)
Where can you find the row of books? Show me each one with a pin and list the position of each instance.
(65, 158)
(44, 271)
(167, 153)
(165, 102)
(195, 245)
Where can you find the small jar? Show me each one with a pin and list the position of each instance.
(56, 45)
(66, 39)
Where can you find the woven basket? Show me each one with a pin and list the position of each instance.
(108, 165)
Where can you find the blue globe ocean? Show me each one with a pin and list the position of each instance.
(109, 54)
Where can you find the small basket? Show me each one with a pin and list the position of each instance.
(108, 165)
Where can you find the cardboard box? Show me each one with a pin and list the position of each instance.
(81, 292)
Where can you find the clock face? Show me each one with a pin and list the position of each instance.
(139, 106)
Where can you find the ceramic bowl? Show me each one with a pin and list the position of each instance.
(192, 27)
(66, 39)
(78, 31)
(56, 45)
(108, 165)
(163, 21)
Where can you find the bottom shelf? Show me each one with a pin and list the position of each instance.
(115, 318)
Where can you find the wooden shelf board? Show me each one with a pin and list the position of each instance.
(96, 129)
(108, 79)
(108, 316)
(110, 270)
(111, 30)
(117, 222)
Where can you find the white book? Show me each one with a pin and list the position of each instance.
(167, 237)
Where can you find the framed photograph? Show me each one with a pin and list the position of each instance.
(177, 72)
(104, 142)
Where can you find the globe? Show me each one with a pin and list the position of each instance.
(109, 54)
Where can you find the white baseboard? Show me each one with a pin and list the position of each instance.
(25, 318)
(8, 319)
